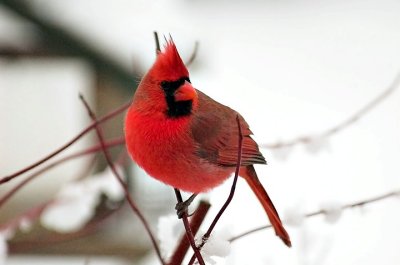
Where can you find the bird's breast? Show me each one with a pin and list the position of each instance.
(165, 149)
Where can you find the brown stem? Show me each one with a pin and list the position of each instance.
(231, 194)
(54, 238)
(121, 181)
(91, 150)
(195, 221)
(344, 124)
(68, 144)
(189, 233)
(157, 40)
(322, 212)
(31, 214)
(194, 54)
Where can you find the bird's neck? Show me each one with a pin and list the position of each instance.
(156, 125)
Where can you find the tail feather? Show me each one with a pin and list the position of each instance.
(249, 174)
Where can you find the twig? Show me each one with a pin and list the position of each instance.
(68, 144)
(194, 54)
(53, 238)
(121, 181)
(189, 233)
(91, 150)
(322, 212)
(195, 221)
(344, 124)
(231, 194)
(31, 214)
(157, 40)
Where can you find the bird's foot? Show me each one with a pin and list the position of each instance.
(182, 207)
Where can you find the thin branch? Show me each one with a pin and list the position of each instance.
(68, 144)
(157, 40)
(195, 221)
(323, 212)
(206, 236)
(194, 54)
(189, 233)
(121, 181)
(232, 192)
(30, 215)
(54, 238)
(91, 150)
(344, 124)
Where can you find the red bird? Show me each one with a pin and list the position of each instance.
(187, 140)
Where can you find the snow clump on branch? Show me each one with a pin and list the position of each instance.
(76, 202)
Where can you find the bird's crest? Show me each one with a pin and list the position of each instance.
(169, 65)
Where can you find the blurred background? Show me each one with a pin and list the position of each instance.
(291, 68)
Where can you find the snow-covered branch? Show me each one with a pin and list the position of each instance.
(331, 211)
(316, 141)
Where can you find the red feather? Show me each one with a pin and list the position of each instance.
(169, 65)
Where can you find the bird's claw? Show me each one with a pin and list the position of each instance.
(182, 207)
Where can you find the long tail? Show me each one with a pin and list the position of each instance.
(249, 174)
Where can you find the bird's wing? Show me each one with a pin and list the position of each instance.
(214, 128)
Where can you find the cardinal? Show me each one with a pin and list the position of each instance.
(187, 140)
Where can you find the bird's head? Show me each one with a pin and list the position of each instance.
(166, 86)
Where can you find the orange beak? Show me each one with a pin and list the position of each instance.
(185, 92)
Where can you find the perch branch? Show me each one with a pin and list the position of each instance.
(132, 204)
(206, 236)
(189, 232)
(195, 221)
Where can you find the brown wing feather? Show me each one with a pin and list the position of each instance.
(214, 128)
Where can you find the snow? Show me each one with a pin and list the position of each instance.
(25, 225)
(282, 153)
(317, 144)
(333, 211)
(293, 216)
(217, 245)
(76, 202)
(169, 231)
